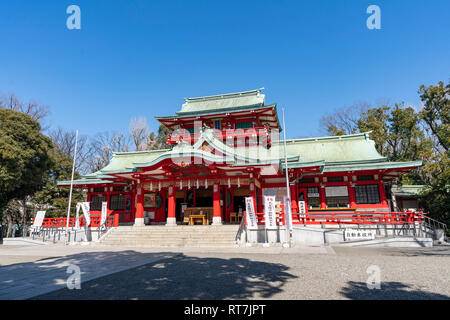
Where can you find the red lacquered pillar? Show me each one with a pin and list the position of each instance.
(139, 219)
(217, 217)
(171, 219)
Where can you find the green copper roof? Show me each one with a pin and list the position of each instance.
(335, 149)
(332, 154)
(223, 101)
(407, 190)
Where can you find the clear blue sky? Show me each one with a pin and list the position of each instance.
(141, 58)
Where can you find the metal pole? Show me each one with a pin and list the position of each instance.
(288, 191)
(71, 181)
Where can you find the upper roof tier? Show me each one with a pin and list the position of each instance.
(223, 101)
(230, 107)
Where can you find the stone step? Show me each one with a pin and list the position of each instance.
(179, 243)
(168, 233)
(168, 239)
(172, 236)
(165, 234)
(175, 231)
(169, 243)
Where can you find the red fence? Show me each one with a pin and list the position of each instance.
(363, 218)
(62, 222)
(239, 134)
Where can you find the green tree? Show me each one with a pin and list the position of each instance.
(55, 199)
(436, 111)
(376, 120)
(403, 134)
(161, 138)
(25, 157)
(435, 199)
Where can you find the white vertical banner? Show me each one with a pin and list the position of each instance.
(104, 212)
(270, 216)
(87, 214)
(302, 209)
(250, 214)
(288, 212)
(77, 216)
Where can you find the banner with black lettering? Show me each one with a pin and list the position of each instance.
(87, 215)
(104, 212)
(270, 216)
(250, 214)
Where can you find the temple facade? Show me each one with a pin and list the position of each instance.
(227, 147)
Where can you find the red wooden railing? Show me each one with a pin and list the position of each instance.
(62, 221)
(363, 218)
(236, 134)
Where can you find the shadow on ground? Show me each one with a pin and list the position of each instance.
(388, 291)
(182, 277)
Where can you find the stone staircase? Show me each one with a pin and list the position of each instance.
(174, 236)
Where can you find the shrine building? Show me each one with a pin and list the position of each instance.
(224, 148)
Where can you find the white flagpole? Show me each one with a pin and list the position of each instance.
(71, 181)
(287, 212)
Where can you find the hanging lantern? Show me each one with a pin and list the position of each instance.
(159, 186)
(206, 184)
(189, 184)
(181, 184)
(229, 183)
(197, 184)
(239, 183)
(151, 186)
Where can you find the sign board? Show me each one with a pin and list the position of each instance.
(251, 214)
(40, 215)
(358, 234)
(340, 191)
(302, 209)
(104, 212)
(87, 214)
(270, 215)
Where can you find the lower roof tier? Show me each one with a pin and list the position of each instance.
(210, 157)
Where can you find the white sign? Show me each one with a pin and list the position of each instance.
(77, 216)
(104, 212)
(250, 214)
(288, 212)
(87, 215)
(302, 209)
(270, 216)
(358, 234)
(40, 215)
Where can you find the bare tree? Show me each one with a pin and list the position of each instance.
(139, 133)
(65, 142)
(103, 146)
(344, 120)
(32, 108)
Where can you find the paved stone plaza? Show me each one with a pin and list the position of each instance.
(40, 272)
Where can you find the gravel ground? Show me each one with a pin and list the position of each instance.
(413, 273)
